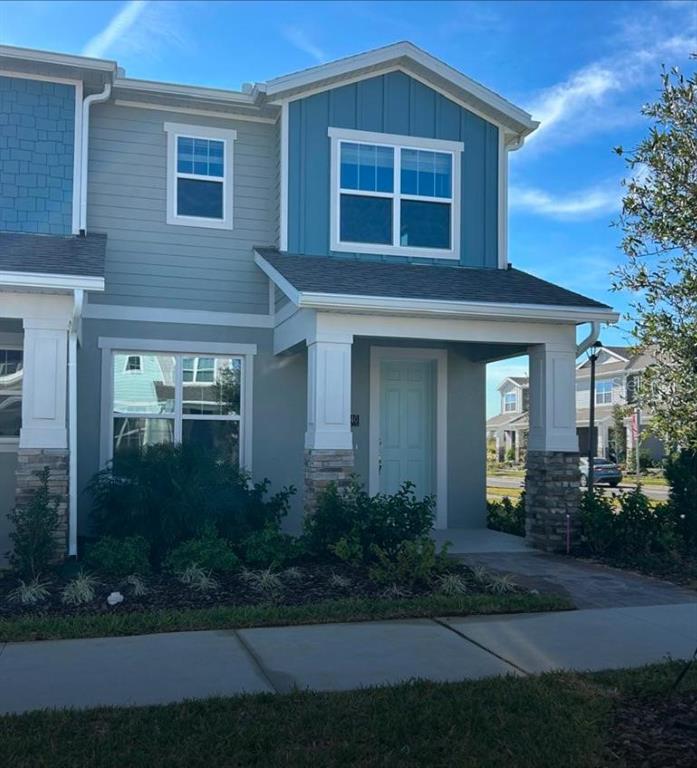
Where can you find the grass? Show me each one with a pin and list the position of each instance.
(536, 722)
(37, 627)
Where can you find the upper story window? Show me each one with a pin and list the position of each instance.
(395, 194)
(11, 371)
(603, 392)
(510, 402)
(199, 176)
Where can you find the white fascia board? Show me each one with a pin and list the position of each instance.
(288, 289)
(515, 383)
(188, 91)
(50, 282)
(392, 305)
(60, 59)
(345, 67)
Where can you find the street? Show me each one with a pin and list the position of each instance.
(655, 492)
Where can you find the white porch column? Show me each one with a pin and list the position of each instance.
(328, 439)
(43, 437)
(552, 476)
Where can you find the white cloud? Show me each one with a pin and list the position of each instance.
(299, 38)
(116, 29)
(595, 201)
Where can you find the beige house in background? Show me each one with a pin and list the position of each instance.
(617, 370)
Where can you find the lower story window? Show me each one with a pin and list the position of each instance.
(11, 371)
(178, 398)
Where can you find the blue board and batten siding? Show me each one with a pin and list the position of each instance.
(392, 103)
(37, 130)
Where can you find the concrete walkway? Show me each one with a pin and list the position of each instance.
(157, 669)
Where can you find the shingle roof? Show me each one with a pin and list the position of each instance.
(318, 274)
(522, 380)
(52, 255)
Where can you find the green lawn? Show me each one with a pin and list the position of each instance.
(549, 721)
(231, 617)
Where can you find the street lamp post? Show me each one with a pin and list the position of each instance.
(593, 357)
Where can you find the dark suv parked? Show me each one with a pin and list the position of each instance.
(604, 471)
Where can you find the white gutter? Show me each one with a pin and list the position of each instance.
(589, 340)
(73, 335)
(86, 104)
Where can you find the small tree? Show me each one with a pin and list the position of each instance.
(35, 525)
(619, 433)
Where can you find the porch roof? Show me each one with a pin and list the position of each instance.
(52, 261)
(347, 276)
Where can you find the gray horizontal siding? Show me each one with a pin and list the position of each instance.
(151, 263)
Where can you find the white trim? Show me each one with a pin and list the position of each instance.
(9, 444)
(77, 159)
(183, 316)
(94, 98)
(283, 190)
(42, 78)
(189, 91)
(176, 347)
(228, 137)
(372, 59)
(197, 112)
(63, 59)
(440, 356)
(290, 291)
(515, 383)
(56, 282)
(397, 143)
(502, 230)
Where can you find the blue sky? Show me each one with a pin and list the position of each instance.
(584, 69)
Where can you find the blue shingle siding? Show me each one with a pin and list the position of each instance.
(399, 104)
(37, 127)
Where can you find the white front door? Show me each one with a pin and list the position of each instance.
(407, 421)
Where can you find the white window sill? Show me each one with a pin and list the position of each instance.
(194, 221)
(395, 250)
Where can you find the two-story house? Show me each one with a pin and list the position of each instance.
(328, 248)
(617, 369)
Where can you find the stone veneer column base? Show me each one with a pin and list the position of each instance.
(33, 460)
(322, 467)
(551, 493)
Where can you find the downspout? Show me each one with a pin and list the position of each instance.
(589, 340)
(73, 334)
(86, 104)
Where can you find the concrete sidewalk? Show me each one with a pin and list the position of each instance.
(157, 669)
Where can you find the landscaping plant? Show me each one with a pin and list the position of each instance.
(209, 551)
(270, 547)
(415, 563)
(506, 516)
(119, 557)
(29, 593)
(80, 590)
(34, 531)
(681, 474)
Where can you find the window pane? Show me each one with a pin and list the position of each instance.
(220, 397)
(150, 392)
(200, 156)
(426, 173)
(425, 225)
(221, 437)
(366, 219)
(203, 199)
(11, 370)
(134, 433)
(185, 155)
(10, 415)
(367, 167)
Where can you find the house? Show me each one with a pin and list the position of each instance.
(309, 273)
(616, 372)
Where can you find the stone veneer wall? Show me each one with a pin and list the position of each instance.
(551, 493)
(322, 467)
(33, 460)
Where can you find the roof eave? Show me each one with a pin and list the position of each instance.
(49, 282)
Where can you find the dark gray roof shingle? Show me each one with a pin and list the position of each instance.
(416, 281)
(52, 255)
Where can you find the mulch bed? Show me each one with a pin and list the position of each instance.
(308, 583)
(656, 732)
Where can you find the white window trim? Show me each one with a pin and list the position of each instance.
(246, 352)
(600, 396)
(11, 444)
(227, 136)
(454, 148)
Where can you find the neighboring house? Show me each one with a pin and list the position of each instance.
(617, 369)
(310, 273)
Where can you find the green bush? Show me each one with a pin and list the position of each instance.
(270, 547)
(597, 522)
(170, 493)
(353, 517)
(209, 552)
(35, 524)
(119, 557)
(506, 516)
(414, 563)
(681, 474)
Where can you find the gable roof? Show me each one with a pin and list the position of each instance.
(519, 381)
(414, 61)
(389, 286)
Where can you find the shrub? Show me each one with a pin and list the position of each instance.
(33, 536)
(194, 577)
(119, 557)
(414, 563)
(597, 522)
(209, 552)
(506, 516)
(270, 547)
(681, 474)
(351, 521)
(29, 593)
(80, 590)
(171, 493)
